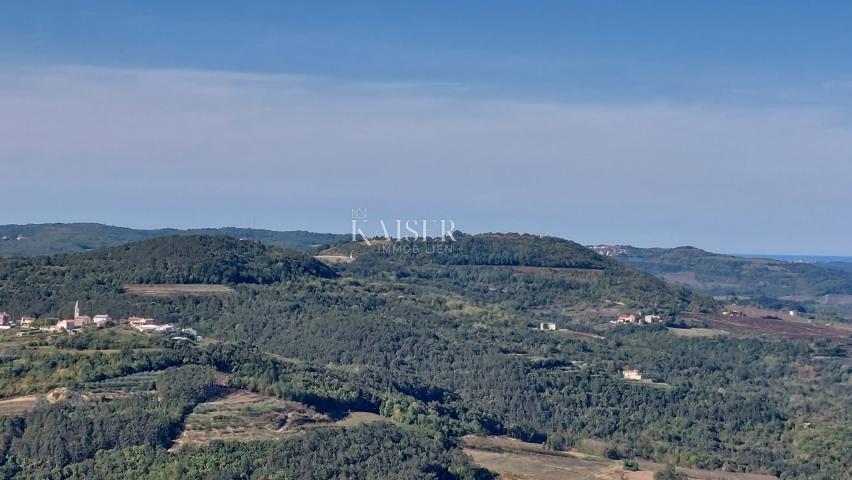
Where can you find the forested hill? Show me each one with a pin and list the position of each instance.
(532, 271)
(185, 259)
(46, 285)
(494, 249)
(53, 238)
(199, 259)
(717, 274)
(445, 340)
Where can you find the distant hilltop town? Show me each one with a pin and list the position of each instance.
(29, 324)
(609, 250)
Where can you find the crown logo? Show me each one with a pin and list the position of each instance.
(359, 213)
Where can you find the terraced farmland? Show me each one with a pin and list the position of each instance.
(244, 416)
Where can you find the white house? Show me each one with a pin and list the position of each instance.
(152, 328)
(547, 326)
(631, 374)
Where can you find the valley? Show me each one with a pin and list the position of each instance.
(442, 346)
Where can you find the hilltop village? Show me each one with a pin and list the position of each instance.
(28, 324)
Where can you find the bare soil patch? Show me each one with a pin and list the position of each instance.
(170, 290)
(334, 258)
(17, 405)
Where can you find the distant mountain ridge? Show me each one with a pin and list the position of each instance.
(53, 238)
(720, 274)
(790, 283)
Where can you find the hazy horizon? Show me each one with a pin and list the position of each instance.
(786, 256)
(673, 125)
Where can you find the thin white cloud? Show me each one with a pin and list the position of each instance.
(218, 139)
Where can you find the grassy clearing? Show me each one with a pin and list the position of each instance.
(360, 418)
(696, 332)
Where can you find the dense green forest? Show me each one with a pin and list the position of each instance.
(442, 342)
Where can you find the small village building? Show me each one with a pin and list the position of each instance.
(652, 318)
(631, 374)
(547, 326)
(626, 319)
(153, 328)
(26, 322)
(101, 320)
(81, 320)
(65, 325)
(140, 321)
(5, 319)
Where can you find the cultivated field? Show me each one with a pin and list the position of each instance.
(122, 386)
(516, 460)
(171, 290)
(17, 405)
(787, 327)
(24, 403)
(240, 415)
(696, 332)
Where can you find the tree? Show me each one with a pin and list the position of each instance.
(669, 473)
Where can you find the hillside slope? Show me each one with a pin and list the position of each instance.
(525, 271)
(448, 340)
(718, 274)
(54, 238)
(48, 285)
(814, 287)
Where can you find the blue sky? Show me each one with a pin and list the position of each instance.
(725, 125)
